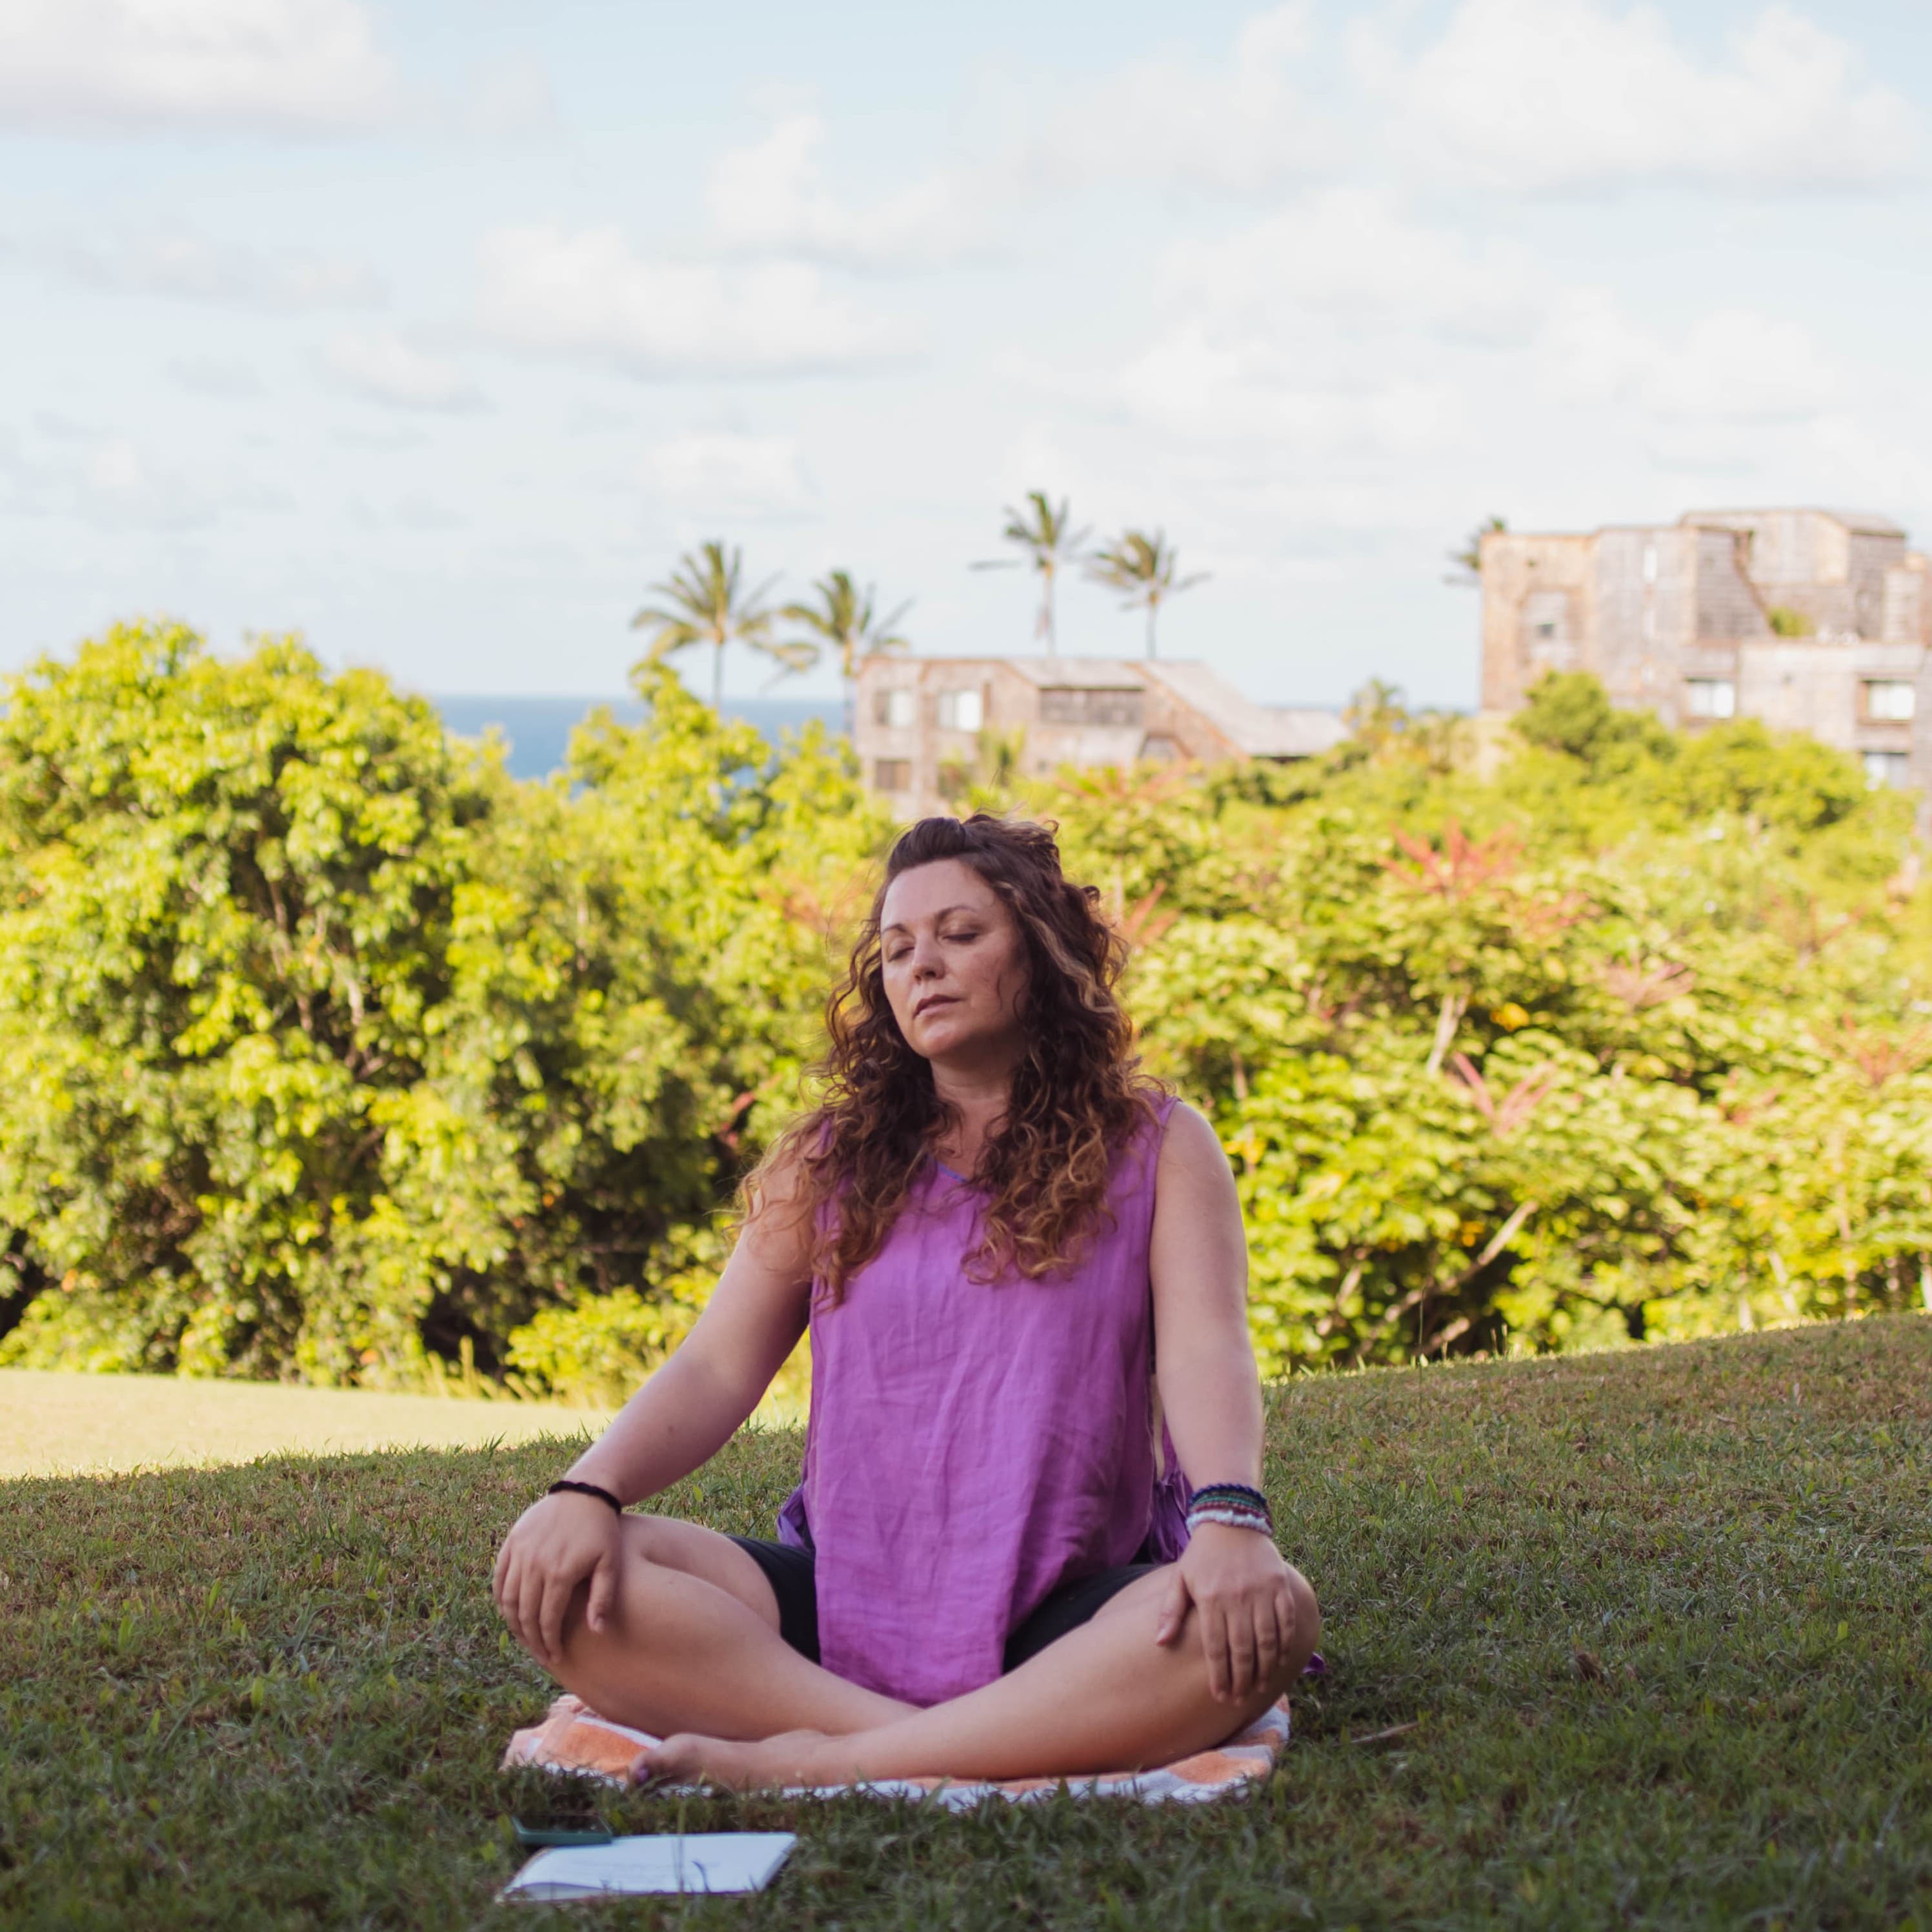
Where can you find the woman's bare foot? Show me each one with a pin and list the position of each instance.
(792, 1757)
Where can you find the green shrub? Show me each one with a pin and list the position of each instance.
(333, 1052)
(329, 1044)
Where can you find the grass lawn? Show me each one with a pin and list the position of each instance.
(54, 1424)
(1659, 1621)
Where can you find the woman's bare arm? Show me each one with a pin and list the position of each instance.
(1198, 1257)
(1234, 1579)
(687, 1411)
(681, 1418)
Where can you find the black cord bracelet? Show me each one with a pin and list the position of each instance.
(603, 1495)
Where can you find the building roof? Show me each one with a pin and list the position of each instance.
(1261, 731)
(1863, 521)
(1255, 730)
(1074, 673)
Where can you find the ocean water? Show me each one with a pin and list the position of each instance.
(538, 729)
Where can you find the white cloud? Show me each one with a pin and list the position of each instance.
(106, 482)
(508, 100)
(413, 512)
(1352, 254)
(391, 442)
(1245, 125)
(1204, 388)
(294, 66)
(588, 293)
(216, 375)
(1733, 366)
(1342, 331)
(771, 198)
(722, 474)
(381, 367)
(191, 267)
(1337, 330)
(1572, 93)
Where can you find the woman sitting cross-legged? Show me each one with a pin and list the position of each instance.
(1016, 1256)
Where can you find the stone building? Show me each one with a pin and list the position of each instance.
(1812, 620)
(922, 726)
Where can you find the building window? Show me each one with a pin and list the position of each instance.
(1710, 697)
(1888, 768)
(1160, 747)
(1065, 705)
(1890, 700)
(897, 708)
(891, 775)
(1650, 563)
(962, 710)
(1545, 629)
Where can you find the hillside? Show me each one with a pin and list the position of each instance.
(1636, 1639)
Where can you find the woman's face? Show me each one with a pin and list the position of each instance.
(955, 963)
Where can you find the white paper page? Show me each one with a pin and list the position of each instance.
(696, 1862)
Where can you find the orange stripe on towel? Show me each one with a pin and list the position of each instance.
(574, 1739)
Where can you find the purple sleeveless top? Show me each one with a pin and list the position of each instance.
(971, 1446)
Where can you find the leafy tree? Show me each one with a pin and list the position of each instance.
(1570, 711)
(1740, 766)
(335, 1049)
(704, 602)
(1044, 531)
(843, 620)
(1375, 715)
(231, 895)
(333, 1052)
(1142, 568)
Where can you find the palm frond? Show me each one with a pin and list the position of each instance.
(1142, 568)
(702, 601)
(842, 619)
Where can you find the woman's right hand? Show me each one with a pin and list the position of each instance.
(556, 1543)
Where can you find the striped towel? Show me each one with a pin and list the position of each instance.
(573, 1738)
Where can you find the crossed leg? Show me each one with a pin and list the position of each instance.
(691, 1651)
(1105, 1697)
(692, 1643)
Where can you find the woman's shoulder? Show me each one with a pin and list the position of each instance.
(779, 1196)
(1188, 1141)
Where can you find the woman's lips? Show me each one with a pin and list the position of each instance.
(932, 1003)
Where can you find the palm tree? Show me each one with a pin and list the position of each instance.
(702, 604)
(1141, 567)
(1044, 532)
(843, 621)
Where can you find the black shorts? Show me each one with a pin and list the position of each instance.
(791, 1574)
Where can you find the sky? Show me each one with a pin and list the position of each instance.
(437, 332)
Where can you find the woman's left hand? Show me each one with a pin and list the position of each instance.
(1237, 1584)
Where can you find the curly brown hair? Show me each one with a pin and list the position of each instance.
(1078, 1096)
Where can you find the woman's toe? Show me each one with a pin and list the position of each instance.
(677, 1759)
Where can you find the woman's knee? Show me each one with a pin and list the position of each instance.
(1307, 1623)
(655, 1539)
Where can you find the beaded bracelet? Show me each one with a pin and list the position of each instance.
(1231, 1519)
(1235, 1492)
(1234, 1505)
